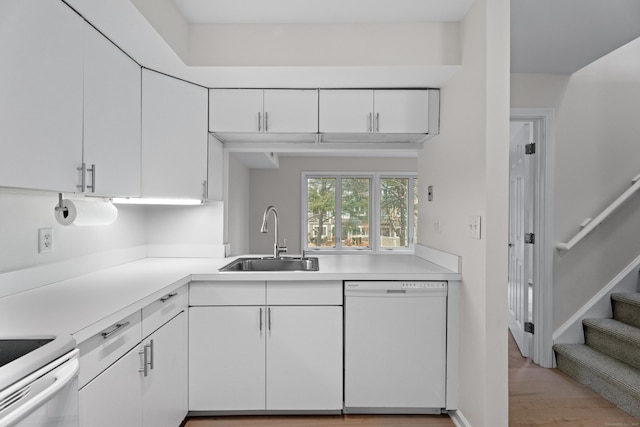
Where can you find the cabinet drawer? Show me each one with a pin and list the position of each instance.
(227, 293)
(103, 349)
(164, 309)
(322, 292)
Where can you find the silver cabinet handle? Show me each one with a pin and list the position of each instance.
(261, 310)
(168, 297)
(377, 122)
(146, 363)
(266, 121)
(369, 124)
(116, 328)
(259, 121)
(83, 170)
(92, 169)
(152, 354)
(269, 318)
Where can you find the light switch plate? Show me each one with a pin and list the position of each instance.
(474, 227)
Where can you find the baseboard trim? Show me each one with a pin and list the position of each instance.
(458, 419)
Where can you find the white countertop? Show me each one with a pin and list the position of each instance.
(85, 305)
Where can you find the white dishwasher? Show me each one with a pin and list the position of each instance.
(395, 346)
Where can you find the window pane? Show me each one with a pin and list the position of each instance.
(394, 212)
(415, 211)
(355, 212)
(321, 212)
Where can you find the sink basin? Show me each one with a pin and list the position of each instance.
(272, 264)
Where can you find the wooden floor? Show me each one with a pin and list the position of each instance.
(537, 397)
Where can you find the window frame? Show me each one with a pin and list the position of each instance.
(374, 212)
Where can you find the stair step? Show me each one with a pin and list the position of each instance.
(616, 381)
(613, 338)
(626, 308)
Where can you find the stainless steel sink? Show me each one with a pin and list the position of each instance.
(273, 264)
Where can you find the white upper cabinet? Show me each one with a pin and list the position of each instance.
(174, 137)
(111, 118)
(263, 110)
(290, 111)
(401, 111)
(374, 111)
(41, 44)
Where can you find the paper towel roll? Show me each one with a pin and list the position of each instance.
(86, 212)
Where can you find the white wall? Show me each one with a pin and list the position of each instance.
(324, 44)
(597, 149)
(238, 207)
(282, 189)
(22, 214)
(185, 231)
(468, 166)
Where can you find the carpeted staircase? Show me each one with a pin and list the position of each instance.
(609, 361)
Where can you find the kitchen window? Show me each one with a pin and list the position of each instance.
(359, 212)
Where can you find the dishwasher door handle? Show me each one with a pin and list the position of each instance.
(396, 291)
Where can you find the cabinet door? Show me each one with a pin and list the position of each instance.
(114, 398)
(401, 111)
(174, 137)
(41, 101)
(235, 110)
(290, 111)
(346, 111)
(226, 358)
(111, 117)
(304, 358)
(164, 389)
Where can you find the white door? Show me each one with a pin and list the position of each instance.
(346, 111)
(519, 225)
(401, 111)
(164, 389)
(114, 398)
(236, 110)
(111, 117)
(304, 358)
(40, 95)
(226, 358)
(290, 111)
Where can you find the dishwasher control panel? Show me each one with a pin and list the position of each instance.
(424, 285)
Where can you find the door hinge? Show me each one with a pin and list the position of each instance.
(529, 327)
(530, 238)
(530, 148)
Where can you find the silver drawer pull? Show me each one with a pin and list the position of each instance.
(168, 297)
(116, 328)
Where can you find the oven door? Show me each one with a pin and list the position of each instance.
(45, 398)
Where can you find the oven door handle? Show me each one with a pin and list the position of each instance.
(63, 376)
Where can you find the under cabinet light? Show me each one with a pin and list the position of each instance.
(149, 201)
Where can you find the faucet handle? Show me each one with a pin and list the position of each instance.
(282, 248)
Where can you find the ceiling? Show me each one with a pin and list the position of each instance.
(547, 36)
(562, 36)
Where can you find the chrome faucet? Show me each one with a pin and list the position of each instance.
(277, 249)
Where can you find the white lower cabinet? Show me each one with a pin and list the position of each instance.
(145, 387)
(164, 389)
(226, 359)
(263, 357)
(114, 398)
(304, 358)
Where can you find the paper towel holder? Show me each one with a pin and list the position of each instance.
(61, 208)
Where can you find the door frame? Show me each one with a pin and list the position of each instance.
(543, 249)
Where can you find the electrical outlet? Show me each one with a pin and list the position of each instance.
(45, 240)
(436, 225)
